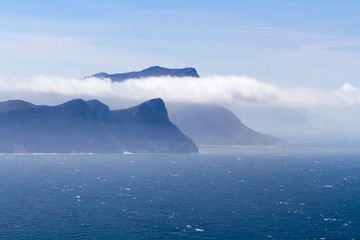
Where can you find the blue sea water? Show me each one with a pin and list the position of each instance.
(286, 192)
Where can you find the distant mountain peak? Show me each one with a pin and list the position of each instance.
(154, 71)
(212, 124)
(154, 67)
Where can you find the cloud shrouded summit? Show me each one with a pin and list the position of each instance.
(238, 90)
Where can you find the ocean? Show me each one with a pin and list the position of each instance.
(294, 191)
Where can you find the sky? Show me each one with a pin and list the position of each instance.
(248, 52)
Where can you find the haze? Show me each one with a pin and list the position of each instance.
(253, 57)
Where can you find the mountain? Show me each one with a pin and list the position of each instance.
(214, 124)
(89, 126)
(204, 123)
(155, 71)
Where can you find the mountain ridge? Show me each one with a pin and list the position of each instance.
(89, 126)
(154, 71)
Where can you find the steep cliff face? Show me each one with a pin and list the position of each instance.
(153, 110)
(89, 126)
(155, 71)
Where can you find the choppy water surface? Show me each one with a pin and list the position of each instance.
(221, 193)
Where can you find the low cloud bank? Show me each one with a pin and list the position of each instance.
(238, 90)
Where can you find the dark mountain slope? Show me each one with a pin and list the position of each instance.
(214, 124)
(89, 126)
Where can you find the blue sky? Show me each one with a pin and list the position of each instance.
(310, 43)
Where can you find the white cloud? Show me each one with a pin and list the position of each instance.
(237, 90)
(58, 85)
(349, 94)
